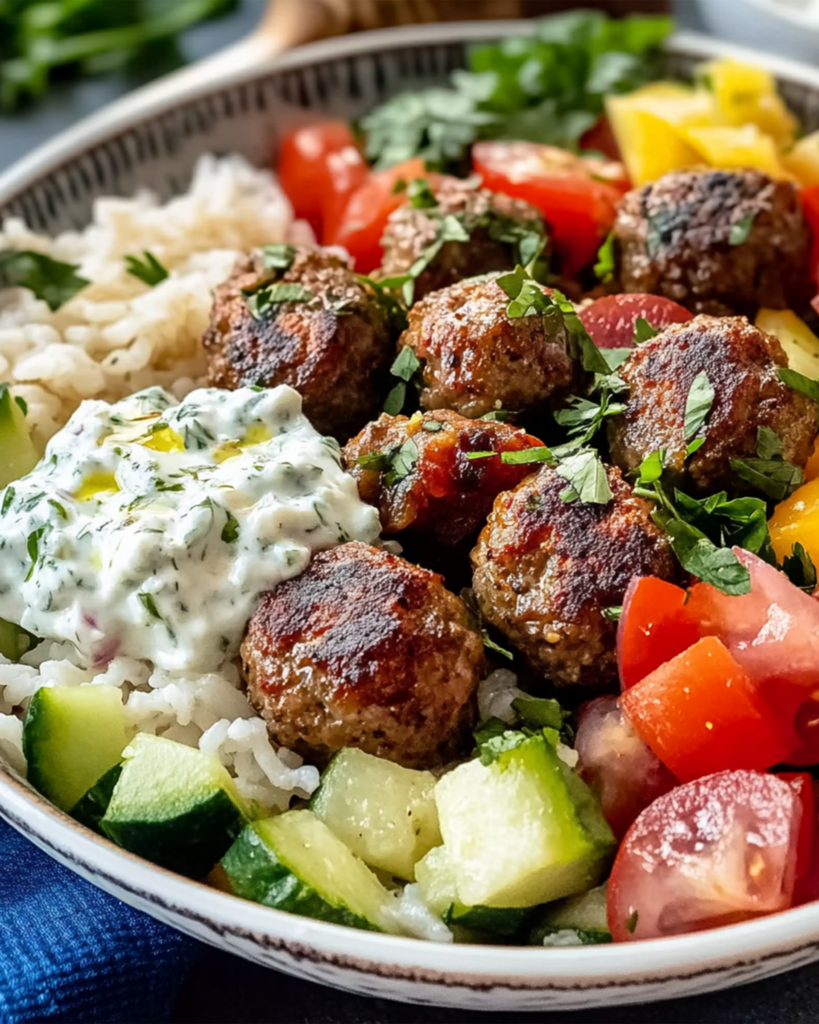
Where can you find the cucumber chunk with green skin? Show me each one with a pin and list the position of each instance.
(174, 805)
(90, 809)
(18, 455)
(584, 914)
(294, 862)
(72, 735)
(436, 877)
(522, 830)
(384, 813)
(503, 921)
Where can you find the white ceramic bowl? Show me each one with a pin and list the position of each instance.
(153, 139)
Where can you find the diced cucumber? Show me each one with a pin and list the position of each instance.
(584, 914)
(384, 813)
(18, 455)
(522, 830)
(72, 735)
(294, 862)
(174, 805)
(90, 809)
(436, 878)
(14, 640)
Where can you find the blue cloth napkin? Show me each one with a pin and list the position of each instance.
(70, 952)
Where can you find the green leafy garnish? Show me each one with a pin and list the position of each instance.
(545, 87)
(604, 267)
(494, 737)
(769, 473)
(496, 648)
(53, 282)
(518, 458)
(799, 382)
(698, 405)
(149, 604)
(643, 331)
(586, 476)
(397, 463)
(540, 712)
(739, 232)
(613, 613)
(799, 568)
(33, 548)
(262, 302)
(420, 195)
(148, 269)
(279, 256)
(230, 531)
(631, 923)
(405, 367)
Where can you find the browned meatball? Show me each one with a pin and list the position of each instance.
(741, 363)
(478, 359)
(364, 650)
(491, 220)
(333, 346)
(673, 238)
(427, 483)
(545, 570)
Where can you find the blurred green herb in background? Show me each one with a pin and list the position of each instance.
(44, 40)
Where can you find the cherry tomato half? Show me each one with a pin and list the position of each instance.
(610, 320)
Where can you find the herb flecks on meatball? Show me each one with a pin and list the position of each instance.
(546, 569)
(417, 472)
(298, 316)
(741, 364)
(487, 232)
(715, 241)
(476, 358)
(365, 650)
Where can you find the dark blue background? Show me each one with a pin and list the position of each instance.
(223, 988)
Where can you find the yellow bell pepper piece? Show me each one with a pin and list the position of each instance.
(796, 520)
(650, 146)
(745, 94)
(747, 146)
(800, 343)
(803, 159)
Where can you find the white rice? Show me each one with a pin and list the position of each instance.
(115, 337)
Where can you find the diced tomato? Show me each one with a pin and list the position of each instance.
(600, 138)
(809, 198)
(319, 166)
(361, 222)
(610, 320)
(716, 851)
(577, 196)
(700, 714)
(803, 885)
(654, 627)
(616, 764)
(809, 882)
(806, 724)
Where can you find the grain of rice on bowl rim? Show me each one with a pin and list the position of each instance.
(113, 338)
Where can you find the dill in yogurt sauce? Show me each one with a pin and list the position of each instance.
(151, 527)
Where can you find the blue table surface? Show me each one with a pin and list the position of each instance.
(224, 988)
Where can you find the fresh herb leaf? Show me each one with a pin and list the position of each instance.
(494, 738)
(53, 282)
(497, 416)
(496, 648)
(799, 568)
(149, 604)
(631, 923)
(230, 531)
(698, 405)
(613, 613)
(279, 256)
(406, 364)
(148, 269)
(421, 196)
(615, 357)
(22, 404)
(432, 426)
(741, 229)
(643, 331)
(394, 402)
(774, 478)
(799, 382)
(540, 712)
(604, 267)
(587, 479)
(403, 462)
(528, 456)
(376, 462)
(58, 508)
(709, 563)
(33, 548)
(694, 446)
(651, 468)
(262, 302)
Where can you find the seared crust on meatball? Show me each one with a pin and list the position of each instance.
(741, 363)
(444, 494)
(673, 238)
(545, 570)
(485, 215)
(478, 359)
(333, 349)
(364, 650)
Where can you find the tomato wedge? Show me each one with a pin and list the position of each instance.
(809, 197)
(654, 627)
(361, 220)
(713, 852)
(616, 764)
(319, 166)
(700, 714)
(577, 196)
(610, 320)
(804, 885)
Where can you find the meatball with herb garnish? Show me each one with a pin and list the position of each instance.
(477, 358)
(715, 241)
(457, 231)
(299, 316)
(548, 566)
(365, 650)
(419, 475)
(707, 393)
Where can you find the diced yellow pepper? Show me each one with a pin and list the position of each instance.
(800, 343)
(747, 146)
(796, 520)
(745, 94)
(650, 146)
(803, 159)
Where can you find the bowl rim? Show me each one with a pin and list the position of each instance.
(145, 885)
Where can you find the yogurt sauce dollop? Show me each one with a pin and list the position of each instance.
(150, 528)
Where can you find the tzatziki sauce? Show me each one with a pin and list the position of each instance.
(151, 527)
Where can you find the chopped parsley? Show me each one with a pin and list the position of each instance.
(148, 269)
(643, 331)
(586, 476)
(741, 229)
(420, 195)
(280, 256)
(604, 267)
(697, 405)
(518, 458)
(496, 648)
(769, 473)
(149, 604)
(397, 463)
(405, 367)
(50, 280)
(263, 301)
(230, 531)
(799, 382)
